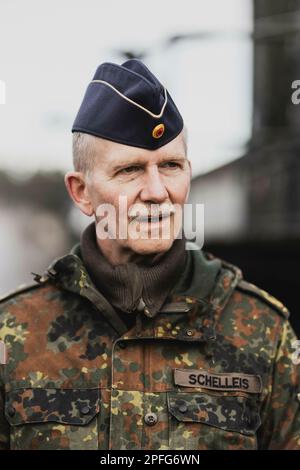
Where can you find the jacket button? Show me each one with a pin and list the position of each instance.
(150, 419)
(11, 411)
(189, 333)
(85, 410)
(183, 408)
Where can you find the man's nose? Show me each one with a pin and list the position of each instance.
(154, 189)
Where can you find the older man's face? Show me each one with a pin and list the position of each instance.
(154, 181)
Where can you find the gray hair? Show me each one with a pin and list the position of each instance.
(84, 150)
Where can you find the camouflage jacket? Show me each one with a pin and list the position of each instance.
(211, 371)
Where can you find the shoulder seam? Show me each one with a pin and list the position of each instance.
(249, 288)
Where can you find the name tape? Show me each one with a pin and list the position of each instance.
(227, 382)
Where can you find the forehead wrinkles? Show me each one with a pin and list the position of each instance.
(114, 155)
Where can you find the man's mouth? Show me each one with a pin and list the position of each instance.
(152, 218)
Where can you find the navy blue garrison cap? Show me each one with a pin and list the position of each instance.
(127, 104)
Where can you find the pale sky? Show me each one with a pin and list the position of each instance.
(49, 51)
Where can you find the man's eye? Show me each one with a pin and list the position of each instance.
(128, 170)
(171, 165)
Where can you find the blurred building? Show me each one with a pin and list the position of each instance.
(252, 205)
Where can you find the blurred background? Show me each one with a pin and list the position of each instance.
(230, 67)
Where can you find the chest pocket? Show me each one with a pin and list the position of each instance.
(212, 420)
(53, 418)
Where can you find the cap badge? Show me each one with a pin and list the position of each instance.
(158, 131)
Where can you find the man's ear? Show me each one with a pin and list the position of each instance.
(76, 185)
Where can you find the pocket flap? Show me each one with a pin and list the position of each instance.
(39, 405)
(227, 412)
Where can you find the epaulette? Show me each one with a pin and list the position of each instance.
(19, 290)
(263, 295)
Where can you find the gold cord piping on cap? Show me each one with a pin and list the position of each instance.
(133, 102)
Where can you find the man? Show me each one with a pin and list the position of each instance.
(135, 342)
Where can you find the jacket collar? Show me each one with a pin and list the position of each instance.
(192, 307)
